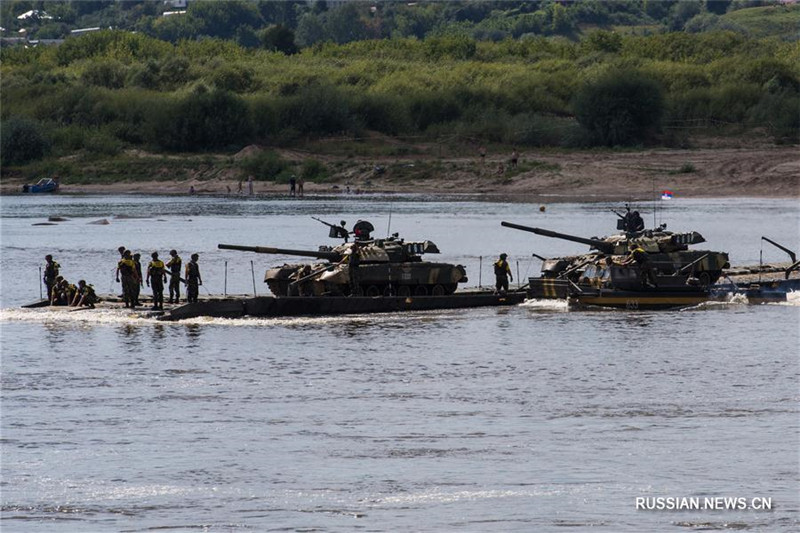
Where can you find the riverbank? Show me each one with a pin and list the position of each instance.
(764, 171)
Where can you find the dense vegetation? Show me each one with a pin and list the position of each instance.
(109, 90)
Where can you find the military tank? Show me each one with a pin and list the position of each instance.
(367, 266)
(668, 255)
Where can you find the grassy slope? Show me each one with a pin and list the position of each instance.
(773, 21)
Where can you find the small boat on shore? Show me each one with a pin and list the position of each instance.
(42, 186)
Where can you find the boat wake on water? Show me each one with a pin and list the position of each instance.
(546, 304)
(119, 316)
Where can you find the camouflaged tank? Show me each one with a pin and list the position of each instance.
(386, 267)
(668, 254)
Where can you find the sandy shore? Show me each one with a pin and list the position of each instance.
(571, 176)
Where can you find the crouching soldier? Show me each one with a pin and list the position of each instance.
(85, 296)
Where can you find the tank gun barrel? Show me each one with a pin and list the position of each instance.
(330, 256)
(603, 246)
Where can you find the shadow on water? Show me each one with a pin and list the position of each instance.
(193, 335)
(56, 334)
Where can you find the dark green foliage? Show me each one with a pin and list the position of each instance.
(682, 12)
(202, 120)
(345, 24)
(222, 18)
(109, 43)
(279, 38)
(109, 74)
(427, 108)
(450, 46)
(310, 30)
(602, 41)
(315, 110)
(780, 111)
(620, 108)
(382, 112)
(313, 170)
(106, 90)
(175, 28)
(246, 37)
(265, 166)
(234, 78)
(22, 141)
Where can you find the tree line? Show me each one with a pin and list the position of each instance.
(108, 90)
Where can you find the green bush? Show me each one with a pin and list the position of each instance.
(108, 73)
(313, 170)
(450, 46)
(22, 141)
(620, 108)
(778, 111)
(315, 110)
(202, 120)
(101, 143)
(381, 112)
(265, 166)
(233, 78)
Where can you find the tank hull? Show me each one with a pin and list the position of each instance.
(377, 279)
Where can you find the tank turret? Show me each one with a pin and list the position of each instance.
(388, 266)
(668, 253)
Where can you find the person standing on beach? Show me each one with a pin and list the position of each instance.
(250, 185)
(174, 265)
(157, 273)
(292, 182)
(51, 269)
(300, 183)
(193, 279)
(514, 158)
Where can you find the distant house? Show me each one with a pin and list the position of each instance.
(176, 4)
(170, 13)
(34, 13)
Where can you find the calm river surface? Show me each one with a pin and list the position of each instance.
(533, 418)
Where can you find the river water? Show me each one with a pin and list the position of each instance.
(532, 418)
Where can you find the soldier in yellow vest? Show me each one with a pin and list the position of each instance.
(642, 261)
(85, 295)
(50, 274)
(502, 273)
(156, 276)
(193, 279)
(174, 265)
(127, 268)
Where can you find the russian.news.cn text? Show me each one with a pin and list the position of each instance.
(695, 503)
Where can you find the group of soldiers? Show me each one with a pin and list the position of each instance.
(129, 273)
(62, 292)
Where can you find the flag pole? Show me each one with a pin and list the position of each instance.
(655, 202)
